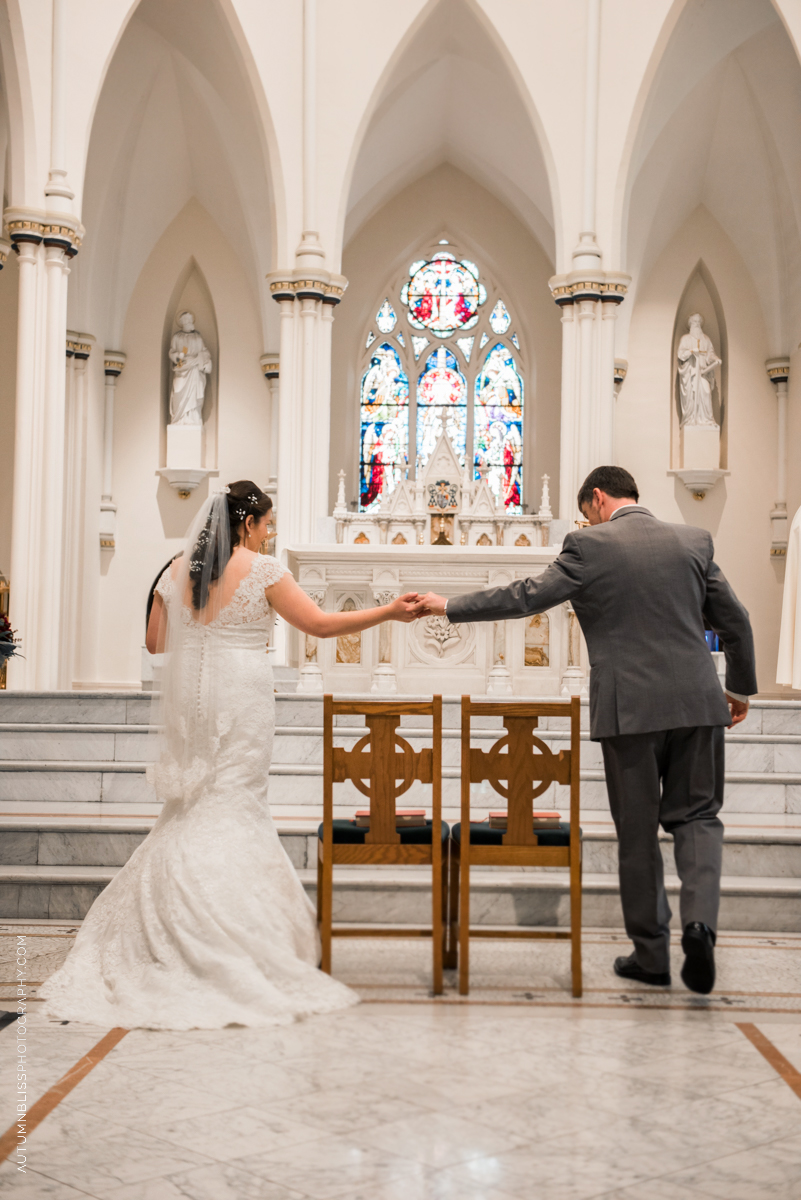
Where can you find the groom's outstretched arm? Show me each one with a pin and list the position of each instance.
(561, 581)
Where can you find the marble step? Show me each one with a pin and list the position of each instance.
(757, 852)
(300, 783)
(134, 708)
(385, 896)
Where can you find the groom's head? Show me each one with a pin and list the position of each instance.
(603, 491)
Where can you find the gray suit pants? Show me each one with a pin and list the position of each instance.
(673, 778)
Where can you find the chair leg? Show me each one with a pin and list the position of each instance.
(437, 926)
(464, 927)
(452, 950)
(327, 880)
(575, 929)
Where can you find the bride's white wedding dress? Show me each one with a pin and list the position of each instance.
(207, 924)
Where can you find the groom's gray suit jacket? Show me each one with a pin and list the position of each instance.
(642, 590)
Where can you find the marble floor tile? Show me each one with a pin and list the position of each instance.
(220, 1182)
(770, 1172)
(32, 1185)
(232, 1133)
(442, 1139)
(334, 1167)
(552, 1173)
(342, 1111)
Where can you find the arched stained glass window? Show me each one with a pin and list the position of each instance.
(443, 295)
(456, 369)
(441, 406)
(384, 439)
(498, 427)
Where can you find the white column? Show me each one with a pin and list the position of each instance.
(587, 255)
(79, 348)
(586, 380)
(57, 190)
(288, 427)
(605, 448)
(113, 364)
(310, 253)
(269, 364)
(322, 442)
(779, 373)
(568, 484)
(23, 519)
(51, 529)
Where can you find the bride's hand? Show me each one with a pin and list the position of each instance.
(402, 609)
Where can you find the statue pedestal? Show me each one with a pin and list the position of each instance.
(701, 447)
(184, 470)
(185, 446)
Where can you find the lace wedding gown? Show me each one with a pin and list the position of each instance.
(207, 924)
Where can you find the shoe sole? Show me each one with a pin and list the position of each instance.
(640, 979)
(698, 972)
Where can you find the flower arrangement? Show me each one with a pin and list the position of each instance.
(8, 642)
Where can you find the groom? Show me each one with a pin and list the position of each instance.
(643, 591)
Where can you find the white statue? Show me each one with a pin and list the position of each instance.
(697, 362)
(191, 365)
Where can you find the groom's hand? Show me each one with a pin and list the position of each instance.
(738, 710)
(430, 605)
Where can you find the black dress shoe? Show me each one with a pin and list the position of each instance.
(698, 944)
(629, 968)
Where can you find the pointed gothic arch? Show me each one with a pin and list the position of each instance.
(543, 220)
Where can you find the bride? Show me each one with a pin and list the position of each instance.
(208, 924)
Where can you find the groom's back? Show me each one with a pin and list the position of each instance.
(641, 606)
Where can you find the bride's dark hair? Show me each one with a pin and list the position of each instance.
(217, 539)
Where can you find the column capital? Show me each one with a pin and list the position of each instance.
(307, 285)
(609, 286)
(5, 249)
(79, 345)
(113, 363)
(778, 369)
(270, 366)
(36, 225)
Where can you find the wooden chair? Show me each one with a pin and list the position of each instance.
(383, 758)
(528, 767)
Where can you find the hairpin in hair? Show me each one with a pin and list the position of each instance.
(226, 490)
(253, 499)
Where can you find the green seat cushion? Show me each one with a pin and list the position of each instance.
(348, 833)
(482, 835)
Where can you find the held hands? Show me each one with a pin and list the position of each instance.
(430, 605)
(404, 608)
(412, 605)
(738, 710)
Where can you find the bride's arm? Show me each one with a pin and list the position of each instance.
(292, 603)
(157, 626)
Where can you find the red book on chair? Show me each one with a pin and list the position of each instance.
(548, 819)
(404, 817)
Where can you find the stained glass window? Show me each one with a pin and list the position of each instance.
(386, 318)
(514, 341)
(499, 318)
(400, 337)
(370, 339)
(384, 427)
(419, 344)
(466, 347)
(443, 295)
(484, 340)
(498, 427)
(441, 406)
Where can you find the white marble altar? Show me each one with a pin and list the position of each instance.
(523, 658)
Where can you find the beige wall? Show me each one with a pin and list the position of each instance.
(736, 511)
(446, 203)
(151, 517)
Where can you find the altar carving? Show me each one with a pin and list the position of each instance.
(446, 507)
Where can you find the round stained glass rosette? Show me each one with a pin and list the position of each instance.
(443, 295)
